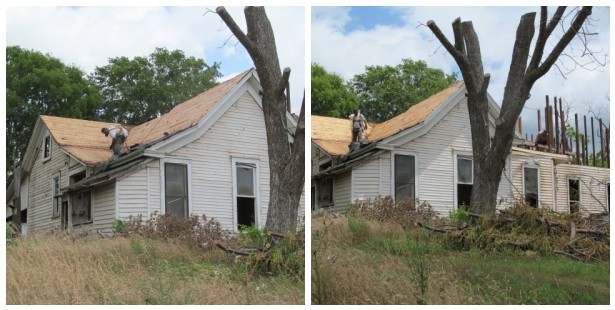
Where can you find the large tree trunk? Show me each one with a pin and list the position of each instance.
(286, 160)
(489, 155)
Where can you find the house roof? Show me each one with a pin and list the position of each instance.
(80, 138)
(83, 140)
(333, 135)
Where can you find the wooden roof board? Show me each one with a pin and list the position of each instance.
(334, 135)
(415, 115)
(84, 140)
(182, 116)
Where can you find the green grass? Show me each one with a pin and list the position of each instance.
(379, 268)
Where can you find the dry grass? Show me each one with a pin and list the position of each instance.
(47, 269)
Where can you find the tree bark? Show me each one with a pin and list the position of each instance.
(17, 196)
(286, 160)
(490, 157)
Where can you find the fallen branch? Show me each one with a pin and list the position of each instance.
(442, 230)
(233, 251)
(592, 232)
(567, 254)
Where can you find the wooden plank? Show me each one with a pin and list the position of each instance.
(586, 157)
(556, 125)
(601, 143)
(576, 132)
(563, 123)
(593, 143)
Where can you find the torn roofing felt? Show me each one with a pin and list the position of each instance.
(333, 135)
(83, 140)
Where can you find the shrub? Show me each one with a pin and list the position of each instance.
(405, 213)
(196, 232)
(118, 227)
(460, 216)
(10, 234)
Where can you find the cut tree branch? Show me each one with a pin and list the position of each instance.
(241, 36)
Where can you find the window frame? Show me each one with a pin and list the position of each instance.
(568, 179)
(332, 200)
(416, 174)
(257, 196)
(163, 195)
(56, 197)
(523, 167)
(88, 220)
(456, 155)
(46, 140)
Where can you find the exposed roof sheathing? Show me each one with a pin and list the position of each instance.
(182, 116)
(416, 114)
(84, 140)
(334, 135)
(80, 138)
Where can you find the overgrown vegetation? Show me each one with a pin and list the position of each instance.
(163, 260)
(502, 259)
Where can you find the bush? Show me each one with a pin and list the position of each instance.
(196, 232)
(118, 227)
(460, 216)
(383, 209)
(10, 234)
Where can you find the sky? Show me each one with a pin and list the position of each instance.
(346, 39)
(88, 36)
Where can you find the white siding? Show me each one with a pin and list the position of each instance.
(240, 132)
(592, 183)
(366, 180)
(545, 170)
(40, 202)
(132, 194)
(341, 192)
(103, 207)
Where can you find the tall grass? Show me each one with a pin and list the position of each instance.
(48, 269)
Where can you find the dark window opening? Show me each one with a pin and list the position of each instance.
(47, 147)
(65, 214)
(313, 195)
(245, 212)
(57, 198)
(404, 177)
(176, 189)
(325, 192)
(608, 197)
(530, 178)
(464, 181)
(82, 208)
(574, 196)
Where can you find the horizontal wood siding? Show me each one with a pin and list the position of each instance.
(103, 207)
(366, 180)
(240, 132)
(341, 192)
(545, 165)
(314, 158)
(505, 188)
(592, 183)
(40, 203)
(153, 174)
(132, 195)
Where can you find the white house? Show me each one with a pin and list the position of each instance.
(425, 153)
(207, 155)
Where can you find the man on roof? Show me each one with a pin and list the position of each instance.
(359, 123)
(118, 135)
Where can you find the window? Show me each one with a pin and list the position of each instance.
(82, 207)
(47, 147)
(176, 189)
(465, 180)
(56, 196)
(530, 186)
(404, 177)
(608, 197)
(574, 195)
(246, 194)
(325, 192)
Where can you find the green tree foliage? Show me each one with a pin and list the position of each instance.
(139, 89)
(386, 91)
(330, 96)
(39, 84)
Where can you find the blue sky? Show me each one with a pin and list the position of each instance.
(346, 39)
(88, 36)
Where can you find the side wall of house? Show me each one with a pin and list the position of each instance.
(435, 163)
(546, 179)
(103, 207)
(341, 192)
(593, 187)
(40, 197)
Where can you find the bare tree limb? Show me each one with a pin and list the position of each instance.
(230, 22)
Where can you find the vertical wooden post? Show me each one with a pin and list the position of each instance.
(582, 151)
(539, 128)
(526, 136)
(601, 143)
(570, 143)
(607, 150)
(563, 122)
(576, 132)
(17, 196)
(547, 123)
(556, 125)
(593, 144)
(532, 137)
(585, 140)
(520, 126)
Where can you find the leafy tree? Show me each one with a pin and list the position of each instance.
(385, 91)
(527, 66)
(139, 89)
(39, 84)
(330, 96)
